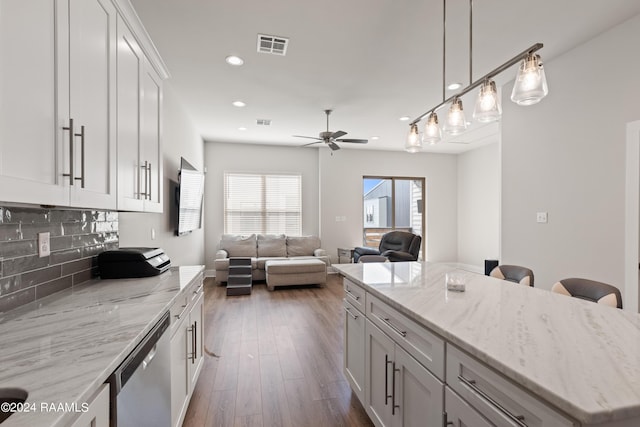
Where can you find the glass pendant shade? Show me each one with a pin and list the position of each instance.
(432, 133)
(456, 122)
(413, 144)
(531, 84)
(488, 107)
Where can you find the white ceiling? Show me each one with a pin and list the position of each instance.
(371, 61)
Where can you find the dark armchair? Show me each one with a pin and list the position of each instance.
(395, 246)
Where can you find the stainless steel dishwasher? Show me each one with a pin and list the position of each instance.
(141, 386)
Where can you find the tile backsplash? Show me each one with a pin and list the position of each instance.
(77, 237)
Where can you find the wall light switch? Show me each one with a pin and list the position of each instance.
(541, 217)
(44, 244)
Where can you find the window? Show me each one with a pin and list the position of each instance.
(262, 203)
(392, 203)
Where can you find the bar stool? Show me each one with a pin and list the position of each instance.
(513, 273)
(589, 290)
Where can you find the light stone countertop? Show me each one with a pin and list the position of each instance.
(63, 347)
(582, 357)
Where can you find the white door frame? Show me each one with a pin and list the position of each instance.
(632, 218)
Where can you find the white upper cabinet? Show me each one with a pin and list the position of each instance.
(139, 120)
(63, 113)
(30, 151)
(92, 102)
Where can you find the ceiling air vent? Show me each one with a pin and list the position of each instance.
(272, 44)
(263, 122)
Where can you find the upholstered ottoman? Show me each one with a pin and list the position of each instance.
(289, 272)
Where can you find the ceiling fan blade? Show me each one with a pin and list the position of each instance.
(357, 141)
(311, 143)
(338, 134)
(333, 146)
(310, 137)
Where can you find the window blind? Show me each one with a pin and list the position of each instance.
(262, 203)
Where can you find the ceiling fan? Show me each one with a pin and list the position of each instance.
(330, 138)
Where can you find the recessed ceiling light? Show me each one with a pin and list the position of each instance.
(234, 60)
(238, 104)
(375, 137)
(242, 128)
(454, 86)
(404, 118)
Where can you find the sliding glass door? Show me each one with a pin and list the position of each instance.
(392, 203)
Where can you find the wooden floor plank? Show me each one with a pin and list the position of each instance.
(278, 360)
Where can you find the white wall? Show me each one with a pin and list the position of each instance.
(179, 139)
(566, 156)
(479, 205)
(225, 157)
(341, 196)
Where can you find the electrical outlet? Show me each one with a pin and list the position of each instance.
(541, 217)
(44, 244)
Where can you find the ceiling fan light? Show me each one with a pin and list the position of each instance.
(413, 144)
(531, 83)
(432, 133)
(488, 107)
(456, 122)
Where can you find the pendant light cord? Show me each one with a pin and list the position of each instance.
(444, 45)
(470, 41)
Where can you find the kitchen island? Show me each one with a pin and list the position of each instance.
(62, 349)
(514, 349)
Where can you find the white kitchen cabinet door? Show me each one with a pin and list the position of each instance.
(354, 348)
(150, 139)
(130, 63)
(179, 373)
(92, 102)
(379, 352)
(30, 148)
(418, 395)
(97, 413)
(460, 413)
(196, 344)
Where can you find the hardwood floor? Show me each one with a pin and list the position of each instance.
(280, 360)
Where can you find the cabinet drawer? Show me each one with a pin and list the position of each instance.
(460, 413)
(497, 398)
(179, 310)
(418, 341)
(354, 294)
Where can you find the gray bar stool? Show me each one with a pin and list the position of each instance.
(513, 273)
(589, 290)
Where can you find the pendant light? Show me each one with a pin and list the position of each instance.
(531, 83)
(432, 133)
(488, 103)
(413, 144)
(456, 122)
(529, 88)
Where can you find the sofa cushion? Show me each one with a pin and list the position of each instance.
(239, 246)
(272, 245)
(302, 245)
(223, 264)
(260, 262)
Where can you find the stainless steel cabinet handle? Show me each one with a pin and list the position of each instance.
(81, 135)
(184, 308)
(352, 295)
(386, 379)
(149, 190)
(395, 329)
(71, 135)
(355, 316)
(518, 419)
(146, 180)
(393, 390)
(195, 342)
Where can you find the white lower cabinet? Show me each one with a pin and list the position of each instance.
(97, 414)
(353, 348)
(186, 350)
(399, 391)
(460, 414)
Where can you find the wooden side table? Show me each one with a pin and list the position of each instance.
(345, 255)
(239, 281)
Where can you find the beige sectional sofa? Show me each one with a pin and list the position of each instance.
(264, 247)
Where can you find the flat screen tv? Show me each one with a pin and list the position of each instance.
(189, 198)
